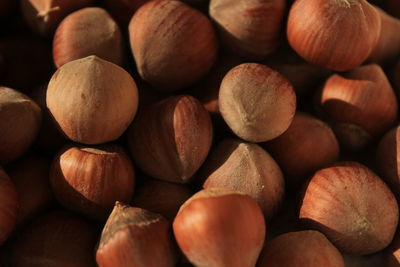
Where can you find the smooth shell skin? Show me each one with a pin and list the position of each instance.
(257, 103)
(170, 139)
(55, 239)
(250, 28)
(43, 16)
(90, 180)
(220, 227)
(361, 98)
(388, 159)
(9, 206)
(336, 34)
(301, 249)
(352, 206)
(181, 48)
(388, 47)
(247, 168)
(305, 133)
(20, 120)
(30, 176)
(86, 32)
(92, 100)
(161, 197)
(136, 237)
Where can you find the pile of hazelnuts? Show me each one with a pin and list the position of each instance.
(208, 133)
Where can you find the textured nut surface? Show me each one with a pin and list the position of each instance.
(352, 206)
(256, 102)
(86, 32)
(247, 168)
(220, 227)
(336, 34)
(92, 100)
(20, 119)
(302, 249)
(181, 48)
(90, 180)
(136, 237)
(170, 139)
(251, 28)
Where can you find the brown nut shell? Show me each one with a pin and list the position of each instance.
(169, 140)
(363, 98)
(352, 206)
(136, 237)
(256, 102)
(9, 206)
(220, 227)
(301, 249)
(308, 144)
(86, 32)
(90, 180)
(92, 100)
(247, 168)
(388, 47)
(181, 48)
(250, 28)
(336, 34)
(20, 120)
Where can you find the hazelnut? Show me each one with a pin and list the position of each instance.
(9, 206)
(136, 237)
(30, 176)
(161, 197)
(181, 48)
(170, 139)
(388, 46)
(321, 32)
(297, 151)
(220, 227)
(89, 180)
(55, 239)
(360, 104)
(352, 206)
(250, 28)
(247, 168)
(20, 119)
(256, 102)
(92, 100)
(301, 249)
(43, 16)
(88, 31)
